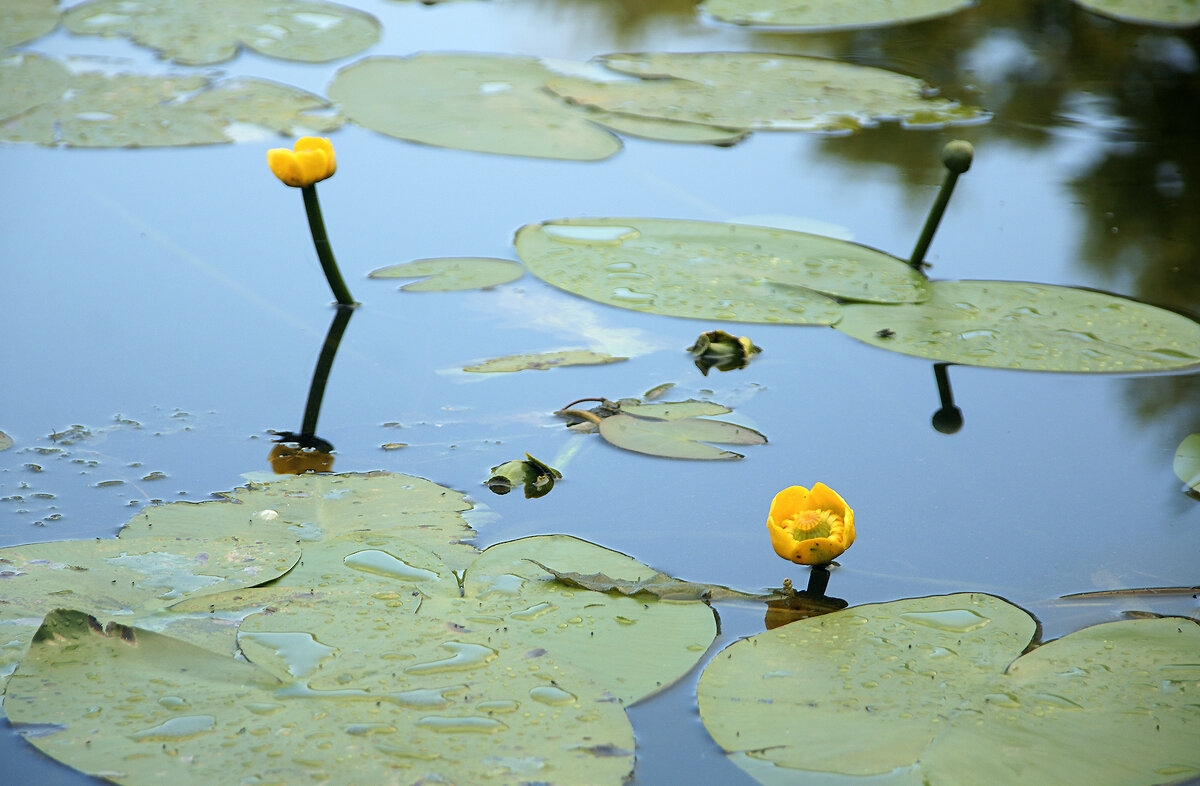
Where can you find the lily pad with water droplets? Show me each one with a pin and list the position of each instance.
(682, 438)
(710, 270)
(936, 690)
(1035, 327)
(1187, 461)
(1165, 13)
(485, 103)
(453, 274)
(544, 360)
(790, 92)
(829, 14)
(193, 33)
(22, 21)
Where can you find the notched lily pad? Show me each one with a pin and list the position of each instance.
(829, 14)
(22, 21)
(193, 33)
(709, 270)
(936, 690)
(660, 586)
(791, 92)
(93, 109)
(1035, 327)
(544, 360)
(683, 438)
(452, 274)
(1165, 13)
(1187, 461)
(485, 103)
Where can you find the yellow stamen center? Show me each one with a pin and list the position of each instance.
(815, 524)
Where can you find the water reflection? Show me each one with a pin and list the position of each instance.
(948, 419)
(792, 604)
(298, 452)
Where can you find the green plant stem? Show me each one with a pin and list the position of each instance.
(935, 218)
(316, 391)
(324, 250)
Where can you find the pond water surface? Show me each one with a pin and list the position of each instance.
(169, 302)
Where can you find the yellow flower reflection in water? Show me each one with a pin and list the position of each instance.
(810, 527)
(311, 162)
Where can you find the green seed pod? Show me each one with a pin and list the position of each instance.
(957, 155)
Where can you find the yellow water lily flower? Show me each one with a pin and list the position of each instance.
(810, 527)
(311, 162)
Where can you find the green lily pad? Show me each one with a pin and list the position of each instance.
(6, 441)
(1164, 13)
(936, 690)
(710, 270)
(22, 21)
(92, 109)
(674, 410)
(452, 274)
(667, 130)
(543, 361)
(1036, 327)
(791, 93)
(194, 33)
(1187, 461)
(485, 103)
(683, 438)
(829, 14)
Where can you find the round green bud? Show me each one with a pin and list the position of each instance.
(957, 155)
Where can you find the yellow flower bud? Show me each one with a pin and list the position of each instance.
(310, 162)
(810, 527)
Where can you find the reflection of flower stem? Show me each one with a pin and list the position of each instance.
(948, 419)
(316, 392)
(818, 580)
(324, 250)
(957, 157)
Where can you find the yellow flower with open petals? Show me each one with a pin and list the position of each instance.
(810, 527)
(311, 162)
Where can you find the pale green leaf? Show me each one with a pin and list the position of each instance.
(684, 438)
(667, 130)
(544, 360)
(486, 103)
(790, 92)
(829, 14)
(1036, 327)
(195, 33)
(27, 80)
(452, 274)
(660, 586)
(6, 441)
(922, 690)
(1187, 461)
(1165, 13)
(674, 410)
(22, 21)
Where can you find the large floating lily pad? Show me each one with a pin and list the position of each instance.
(452, 274)
(683, 438)
(709, 270)
(485, 103)
(791, 93)
(194, 33)
(1036, 327)
(829, 14)
(50, 105)
(1166, 13)
(22, 21)
(936, 690)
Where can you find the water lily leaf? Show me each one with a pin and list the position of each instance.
(110, 577)
(544, 360)
(829, 14)
(667, 130)
(1036, 327)
(485, 103)
(711, 270)
(683, 438)
(6, 441)
(674, 410)
(791, 92)
(1166, 13)
(194, 33)
(660, 586)
(452, 274)
(936, 690)
(92, 109)
(21, 21)
(535, 476)
(204, 718)
(28, 79)
(1187, 461)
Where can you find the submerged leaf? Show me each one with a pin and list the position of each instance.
(1035, 327)
(1187, 461)
(544, 360)
(194, 33)
(829, 14)
(21, 21)
(791, 92)
(709, 270)
(486, 103)
(452, 274)
(1167, 13)
(932, 690)
(683, 438)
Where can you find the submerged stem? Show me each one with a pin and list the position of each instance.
(957, 157)
(324, 250)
